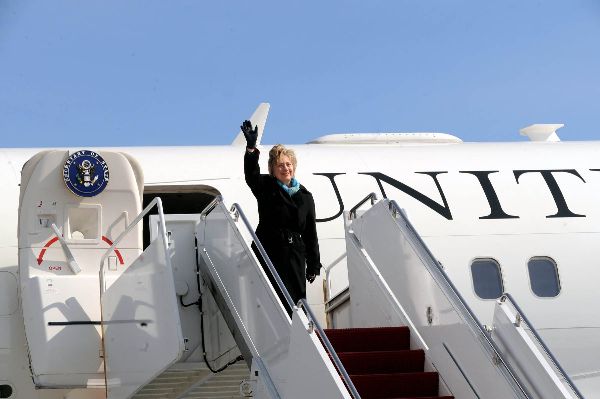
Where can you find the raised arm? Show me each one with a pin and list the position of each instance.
(252, 170)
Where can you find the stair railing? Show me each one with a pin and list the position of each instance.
(384, 286)
(301, 303)
(162, 233)
(459, 303)
(257, 359)
(328, 269)
(522, 318)
(444, 282)
(352, 213)
(131, 379)
(237, 209)
(338, 363)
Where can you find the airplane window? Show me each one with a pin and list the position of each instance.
(5, 391)
(487, 279)
(543, 276)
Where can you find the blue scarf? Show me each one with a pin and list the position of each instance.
(294, 186)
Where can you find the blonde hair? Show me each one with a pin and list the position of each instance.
(277, 152)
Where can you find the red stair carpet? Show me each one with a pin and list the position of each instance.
(381, 364)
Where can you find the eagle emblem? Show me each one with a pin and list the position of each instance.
(85, 173)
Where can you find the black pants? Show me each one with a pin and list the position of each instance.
(291, 270)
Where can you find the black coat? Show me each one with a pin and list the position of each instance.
(286, 228)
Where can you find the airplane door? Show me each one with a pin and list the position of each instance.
(221, 347)
(182, 251)
(141, 326)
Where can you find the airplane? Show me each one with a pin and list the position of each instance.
(485, 219)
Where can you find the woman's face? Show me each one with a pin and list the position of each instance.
(284, 170)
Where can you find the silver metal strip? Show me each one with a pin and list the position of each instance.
(461, 371)
(264, 255)
(506, 297)
(338, 363)
(455, 297)
(352, 213)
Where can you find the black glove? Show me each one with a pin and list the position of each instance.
(250, 134)
(312, 274)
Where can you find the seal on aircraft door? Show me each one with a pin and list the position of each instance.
(85, 173)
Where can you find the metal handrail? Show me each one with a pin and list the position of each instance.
(467, 313)
(335, 262)
(264, 255)
(218, 200)
(269, 383)
(302, 302)
(163, 231)
(506, 297)
(352, 213)
(328, 272)
(387, 291)
(338, 363)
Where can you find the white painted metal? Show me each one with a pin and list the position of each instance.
(259, 314)
(387, 138)
(61, 310)
(338, 264)
(338, 310)
(140, 320)
(71, 262)
(521, 351)
(542, 132)
(220, 347)
(304, 380)
(391, 283)
(373, 303)
(8, 297)
(142, 335)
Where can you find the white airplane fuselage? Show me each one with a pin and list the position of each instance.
(509, 202)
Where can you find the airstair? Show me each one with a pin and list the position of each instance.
(276, 348)
(394, 280)
(103, 313)
(289, 357)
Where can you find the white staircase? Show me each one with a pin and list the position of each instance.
(394, 280)
(278, 347)
(143, 339)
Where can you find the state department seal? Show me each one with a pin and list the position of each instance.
(85, 173)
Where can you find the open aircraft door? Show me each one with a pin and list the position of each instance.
(140, 317)
(78, 251)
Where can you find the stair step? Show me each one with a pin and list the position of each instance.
(369, 339)
(383, 362)
(397, 385)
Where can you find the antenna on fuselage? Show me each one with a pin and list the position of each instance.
(542, 131)
(258, 118)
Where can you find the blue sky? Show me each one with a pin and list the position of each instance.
(88, 73)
